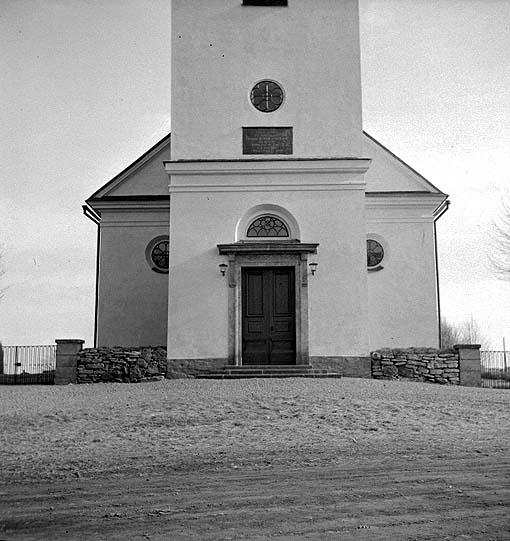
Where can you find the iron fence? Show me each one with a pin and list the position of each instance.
(28, 364)
(495, 369)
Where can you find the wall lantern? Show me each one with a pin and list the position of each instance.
(313, 268)
(223, 268)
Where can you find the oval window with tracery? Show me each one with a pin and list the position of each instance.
(375, 253)
(157, 253)
(267, 226)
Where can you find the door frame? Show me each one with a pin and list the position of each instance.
(300, 302)
(244, 272)
(267, 254)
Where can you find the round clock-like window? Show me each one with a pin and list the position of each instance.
(266, 96)
(375, 253)
(159, 255)
(157, 252)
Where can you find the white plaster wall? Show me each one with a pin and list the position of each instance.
(220, 49)
(198, 296)
(132, 307)
(402, 298)
(338, 291)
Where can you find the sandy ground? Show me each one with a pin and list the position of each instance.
(198, 459)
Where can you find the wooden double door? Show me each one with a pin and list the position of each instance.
(268, 316)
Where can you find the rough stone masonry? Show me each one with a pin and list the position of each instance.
(127, 365)
(422, 364)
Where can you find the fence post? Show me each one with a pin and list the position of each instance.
(469, 364)
(67, 355)
(17, 364)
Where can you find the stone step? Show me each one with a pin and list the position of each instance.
(240, 370)
(268, 371)
(271, 371)
(224, 375)
(269, 367)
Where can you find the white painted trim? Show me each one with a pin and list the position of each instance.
(136, 224)
(139, 206)
(403, 220)
(405, 201)
(269, 187)
(254, 167)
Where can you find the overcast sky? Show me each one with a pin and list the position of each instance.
(86, 90)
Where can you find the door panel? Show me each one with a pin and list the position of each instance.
(255, 304)
(268, 316)
(281, 294)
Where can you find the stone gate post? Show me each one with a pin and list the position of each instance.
(469, 364)
(67, 355)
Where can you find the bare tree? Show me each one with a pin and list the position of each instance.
(471, 332)
(2, 273)
(450, 334)
(465, 332)
(500, 253)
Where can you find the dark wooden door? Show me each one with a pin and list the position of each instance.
(269, 335)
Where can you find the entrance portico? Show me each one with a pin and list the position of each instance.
(251, 340)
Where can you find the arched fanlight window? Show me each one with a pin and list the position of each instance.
(267, 226)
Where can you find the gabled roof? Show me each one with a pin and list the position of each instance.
(146, 178)
(389, 173)
(115, 184)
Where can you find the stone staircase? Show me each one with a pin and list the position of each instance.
(269, 371)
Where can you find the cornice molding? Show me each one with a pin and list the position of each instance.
(401, 220)
(266, 187)
(268, 247)
(405, 200)
(268, 167)
(408, 193)
(136, 224)
(122, 205)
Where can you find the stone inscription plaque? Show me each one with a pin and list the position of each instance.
(258, 140)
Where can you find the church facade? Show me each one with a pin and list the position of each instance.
(268, 228)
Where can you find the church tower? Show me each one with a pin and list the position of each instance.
(258, 232)
(303, 56)
(266, 183)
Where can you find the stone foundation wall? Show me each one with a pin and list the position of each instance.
(189, 368)
(457, 366)
(132, 365)
(127, 365)
(421, 364)
(350, 367)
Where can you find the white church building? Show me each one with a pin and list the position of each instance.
(268, 228)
